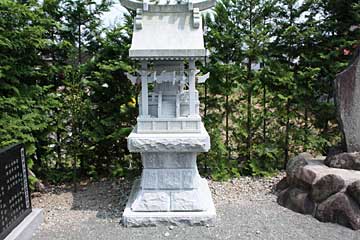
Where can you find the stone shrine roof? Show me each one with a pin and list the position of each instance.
(169, 35)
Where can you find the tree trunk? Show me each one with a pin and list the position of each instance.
(306, 126)
(249, 123)
(79, 42)
(227, 123)
(205, 100)
(75, 174)
(287, 133)
(82, 163)
(205, 114)
(264, 113)
(74, 154)
(249, 94)
(262, 163)
(58, 149)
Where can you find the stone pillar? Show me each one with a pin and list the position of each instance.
(144, 90)
(160, 104)
(347, 89)
(177, 105)
(192, 100)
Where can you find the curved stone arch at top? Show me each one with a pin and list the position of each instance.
(134, 4)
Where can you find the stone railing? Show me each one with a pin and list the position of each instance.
(159, 125)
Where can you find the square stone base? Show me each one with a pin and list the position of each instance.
(26, 229)
(143, 219)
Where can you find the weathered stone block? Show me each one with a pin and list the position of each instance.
(327, 186)
(294, 170)
(183, 160)
(344, 161)
(341, 209)
(296, 163)
(185, 142)
(304, 177)
(354, 191)
(149, 179)
(151, 160)
(152, 202)
(189, 179)
(297, 200)
(170, 179)
(282, 185)
(203, 212)
(330, 194)
(168, 160)
(347, 86)
(187, 201)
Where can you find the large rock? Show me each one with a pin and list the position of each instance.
(305, 177)
(40, 187)
(293, 169)
(297, 200)
(330, 194)
(282, 185)
(341, 209)
(344, 160)
(327, 186)
(354, 191)
(337, 149)
(347, 86)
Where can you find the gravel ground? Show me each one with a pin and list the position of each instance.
(246, 209)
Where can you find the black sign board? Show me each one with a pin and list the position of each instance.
(15, 203)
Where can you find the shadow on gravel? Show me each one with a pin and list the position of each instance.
(108, 198)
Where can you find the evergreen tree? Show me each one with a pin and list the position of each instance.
(338, 34)
(238, 38)
(222, 41)
(64, 94)
(26, 101)
(113, 100)
(286, 51)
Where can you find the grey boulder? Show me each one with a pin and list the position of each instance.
(327, 186)
(294, 167)
(282, 185)
(354, 191)
(297, 200)
(341, 209)
(344, 160)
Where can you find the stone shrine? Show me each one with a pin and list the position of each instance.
(167, 41)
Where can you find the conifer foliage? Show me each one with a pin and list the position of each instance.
(272, 67)
(63, 91)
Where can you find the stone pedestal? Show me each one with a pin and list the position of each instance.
(207, 216)
(170, 190)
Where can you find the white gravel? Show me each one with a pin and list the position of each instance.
(246, 209)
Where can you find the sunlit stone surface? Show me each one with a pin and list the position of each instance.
(167, 41)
